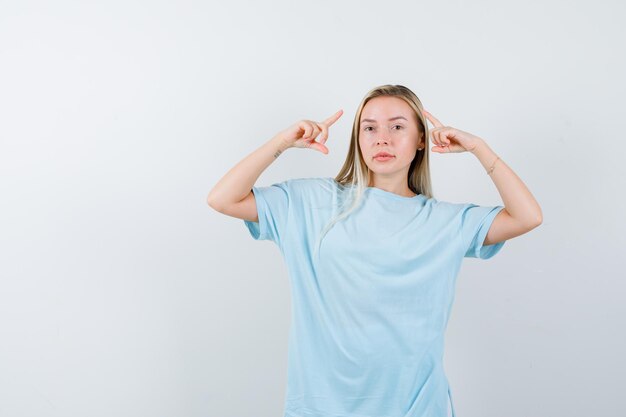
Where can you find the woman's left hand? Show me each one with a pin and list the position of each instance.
(448, 139)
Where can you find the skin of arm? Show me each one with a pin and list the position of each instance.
(237, 183)
(522, 213)
(233, 195)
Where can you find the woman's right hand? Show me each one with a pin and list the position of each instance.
(303, 133)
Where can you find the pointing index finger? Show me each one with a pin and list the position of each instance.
(332, 119)
(432, 118)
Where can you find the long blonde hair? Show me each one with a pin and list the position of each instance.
(354, 177)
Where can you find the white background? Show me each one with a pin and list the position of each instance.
(123, 294)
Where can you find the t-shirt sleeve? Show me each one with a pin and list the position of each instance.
(272, 204)
(475, 223)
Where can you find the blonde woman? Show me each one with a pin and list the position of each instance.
(372, 256)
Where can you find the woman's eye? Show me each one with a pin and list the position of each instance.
(366, 128)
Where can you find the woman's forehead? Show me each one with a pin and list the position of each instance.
(377, 110)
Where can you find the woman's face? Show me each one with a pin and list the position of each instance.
(389, 124)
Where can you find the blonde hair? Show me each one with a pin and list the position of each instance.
(354, 177)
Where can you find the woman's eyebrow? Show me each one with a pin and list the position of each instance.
(393, 118)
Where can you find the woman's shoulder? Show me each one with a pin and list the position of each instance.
(308, 183)
(308, 188)
(455, 209)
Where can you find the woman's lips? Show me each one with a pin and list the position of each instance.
(383, 158)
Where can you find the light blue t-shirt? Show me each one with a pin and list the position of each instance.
(370, 309)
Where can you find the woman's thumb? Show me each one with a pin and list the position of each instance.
(319, 147)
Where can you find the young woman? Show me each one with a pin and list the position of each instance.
(372, 256)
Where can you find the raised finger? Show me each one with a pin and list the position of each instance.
(432, 119)
(332, 119)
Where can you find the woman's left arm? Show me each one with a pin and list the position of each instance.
(521, 211)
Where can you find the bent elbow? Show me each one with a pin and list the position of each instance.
(213, 204)
(539, 219)
(535, 223)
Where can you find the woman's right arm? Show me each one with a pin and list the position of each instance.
(233, 195)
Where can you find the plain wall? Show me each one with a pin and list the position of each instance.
(123, 293)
